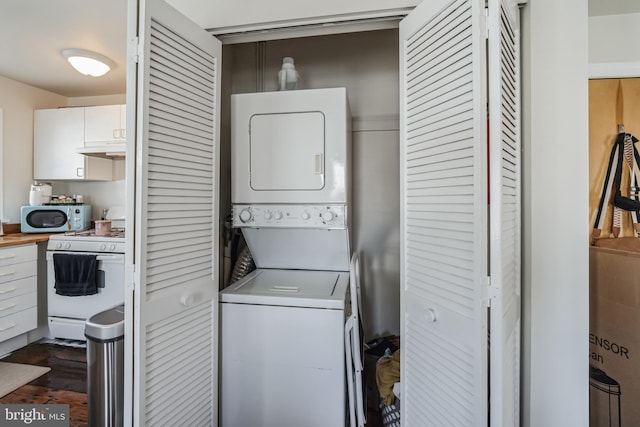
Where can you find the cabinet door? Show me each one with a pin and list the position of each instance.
(56, 135)
(102, 124)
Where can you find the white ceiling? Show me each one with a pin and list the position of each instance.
(35, 31)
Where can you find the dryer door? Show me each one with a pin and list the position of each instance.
(287, 151)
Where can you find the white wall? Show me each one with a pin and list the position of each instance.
(613, 46)
(555, 379)
(614, 38)
(216, 14)
(18, 102)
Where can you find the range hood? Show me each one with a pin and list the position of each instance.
(108, 151)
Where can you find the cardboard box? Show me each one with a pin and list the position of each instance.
(614, 338)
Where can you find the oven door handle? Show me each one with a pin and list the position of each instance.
(108, 257)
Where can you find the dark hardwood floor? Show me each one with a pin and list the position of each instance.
(66, 382)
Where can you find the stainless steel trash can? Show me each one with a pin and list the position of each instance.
(105, 367)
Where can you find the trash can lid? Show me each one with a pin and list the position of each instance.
(106, 325)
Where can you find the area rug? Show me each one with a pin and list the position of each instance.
(14, 375)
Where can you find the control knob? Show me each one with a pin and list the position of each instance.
(245, 215)
(278, 215)
(327, 216)
(305, 215)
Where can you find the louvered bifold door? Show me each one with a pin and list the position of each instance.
(504, 137)
(176, 225)
(444, 368)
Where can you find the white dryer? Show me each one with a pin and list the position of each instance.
(291, 147)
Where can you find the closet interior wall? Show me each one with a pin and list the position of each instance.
(611, 102)
(366, 63)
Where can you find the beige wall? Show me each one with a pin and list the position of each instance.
(18, 102)
(611, 102)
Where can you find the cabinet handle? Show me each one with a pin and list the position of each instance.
(6, 291)
(6, 328)
(8, 306)
(8, 273)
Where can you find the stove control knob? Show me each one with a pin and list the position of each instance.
(305, 215)
(67, 246)
(278, 215)
(112, 247)
(267, 215)
(328, 216)
(246, 215)
(58, 245)
(103, 246)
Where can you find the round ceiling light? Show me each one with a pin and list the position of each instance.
(87, 62)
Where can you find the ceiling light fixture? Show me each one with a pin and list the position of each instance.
(87, 62)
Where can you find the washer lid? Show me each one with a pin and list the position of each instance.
(292, 288)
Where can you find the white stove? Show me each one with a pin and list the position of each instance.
(67, 314)
(88, 241)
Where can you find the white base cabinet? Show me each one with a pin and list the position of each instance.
(18, 290)
(57, 134)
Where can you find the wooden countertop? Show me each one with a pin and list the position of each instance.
(22, 239)
(13, 236)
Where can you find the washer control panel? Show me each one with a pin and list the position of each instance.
(290, 216)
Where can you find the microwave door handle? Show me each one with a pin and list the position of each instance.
(69, 218)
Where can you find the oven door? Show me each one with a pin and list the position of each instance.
(110, 278)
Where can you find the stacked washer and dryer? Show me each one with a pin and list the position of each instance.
(282, 341)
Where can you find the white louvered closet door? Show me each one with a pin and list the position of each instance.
(176, 221)
(444, 236)
(505, 148)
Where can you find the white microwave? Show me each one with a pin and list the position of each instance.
(55, 218)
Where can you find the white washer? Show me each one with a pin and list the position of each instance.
(282, 349)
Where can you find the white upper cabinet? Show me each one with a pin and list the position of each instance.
(104, 124)
(104, 131)
(57, 134)
(223, 16)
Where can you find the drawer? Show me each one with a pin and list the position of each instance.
(18, 271)
(16, 254)
(18, 303)
(17, 287)
(18, 323)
